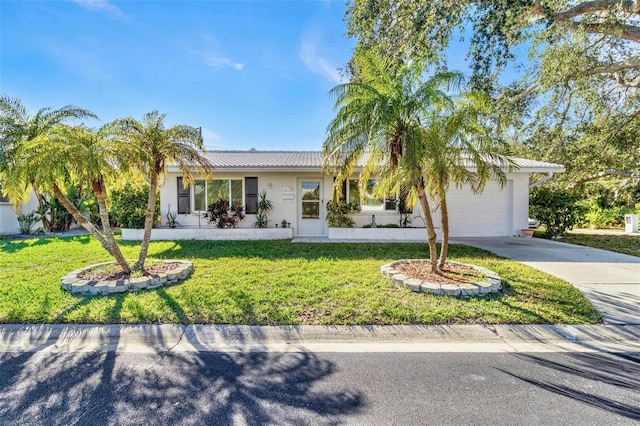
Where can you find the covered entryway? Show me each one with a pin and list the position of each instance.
(310, 209)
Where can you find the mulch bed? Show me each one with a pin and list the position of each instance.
(112, 273)
(451, 273)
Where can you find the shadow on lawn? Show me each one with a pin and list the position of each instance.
(15, 245)
(287, 250)
(238, 387)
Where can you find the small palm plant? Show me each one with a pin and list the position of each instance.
(264, 207)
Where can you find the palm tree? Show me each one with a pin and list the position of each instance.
(157, 146)
(415, 135)
(382, 114)
(67, 156)
(17, 127)
(461, 151)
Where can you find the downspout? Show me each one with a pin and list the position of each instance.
(541, 181)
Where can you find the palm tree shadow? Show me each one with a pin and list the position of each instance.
(618, 370)
(172, 388)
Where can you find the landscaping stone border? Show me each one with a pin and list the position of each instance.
(492, 282)
(73, 284)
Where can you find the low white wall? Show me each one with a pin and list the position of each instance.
(390, 234)
(168, 234)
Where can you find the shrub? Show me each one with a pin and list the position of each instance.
(338, 213)
(557, 209)
(222, 215)
(598, 217)
(26, 222)
(128, 207)
(264, 207)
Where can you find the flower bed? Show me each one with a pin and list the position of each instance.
(491, 283)
(84, 281)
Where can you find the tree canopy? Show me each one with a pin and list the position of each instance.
(576, 101)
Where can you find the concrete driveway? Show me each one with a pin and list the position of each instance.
(611, 281)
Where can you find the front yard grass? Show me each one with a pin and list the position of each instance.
(626, 244)
(274, 283)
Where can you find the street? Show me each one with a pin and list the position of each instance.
(299, 388)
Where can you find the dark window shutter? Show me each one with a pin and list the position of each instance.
(251, 195)
(184, 198)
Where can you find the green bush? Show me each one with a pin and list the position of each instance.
(338, 213)
(128, 207)
(609, 217)
(556, 209)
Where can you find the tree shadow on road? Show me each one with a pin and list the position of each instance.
(244, 387)
(618, 371)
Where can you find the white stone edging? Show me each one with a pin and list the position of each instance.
(492, 283)
(75, 285)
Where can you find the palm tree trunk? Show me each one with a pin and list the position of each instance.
(87, 225)
(98, 189)
(148, 221)
(444, 218)
(431, 231)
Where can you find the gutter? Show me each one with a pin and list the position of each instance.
(541, 181)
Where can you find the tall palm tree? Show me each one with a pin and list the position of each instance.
(419, 139)
(157, 146)
(67, 156)
(382, 114)
(461, 151)
(18, 126)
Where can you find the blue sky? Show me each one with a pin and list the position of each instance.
(250, 73)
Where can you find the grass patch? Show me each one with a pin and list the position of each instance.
(627, 244)
(274, 283)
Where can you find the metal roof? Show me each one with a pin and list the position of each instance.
(312, 160)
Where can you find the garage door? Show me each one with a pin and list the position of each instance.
(488, 214)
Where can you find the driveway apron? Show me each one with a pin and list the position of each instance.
(611, 281)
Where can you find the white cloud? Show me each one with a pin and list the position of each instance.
(209, 52)
(103, 6)
(215, 60)
(308, 53)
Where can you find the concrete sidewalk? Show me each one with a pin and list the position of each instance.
(611, 281)
(61, 338)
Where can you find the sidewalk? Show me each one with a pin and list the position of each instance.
(62, 338)
(611, 281)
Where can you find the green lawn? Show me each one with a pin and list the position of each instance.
(627, 244)
(273, 283)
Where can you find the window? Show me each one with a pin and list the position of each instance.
(370, 202)
(184, 198)
(251, 195)
(209, 192)
(3, 199)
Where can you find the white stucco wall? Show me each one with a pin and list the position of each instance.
(494, 213)
(281, 190)
(9, 219)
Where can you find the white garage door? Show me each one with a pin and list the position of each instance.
(489, 214)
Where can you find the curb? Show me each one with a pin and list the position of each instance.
(375, 338)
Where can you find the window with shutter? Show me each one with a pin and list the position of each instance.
(251, 195)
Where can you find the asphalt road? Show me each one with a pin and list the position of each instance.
(305, 388)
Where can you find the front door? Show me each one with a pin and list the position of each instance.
(310, 219)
